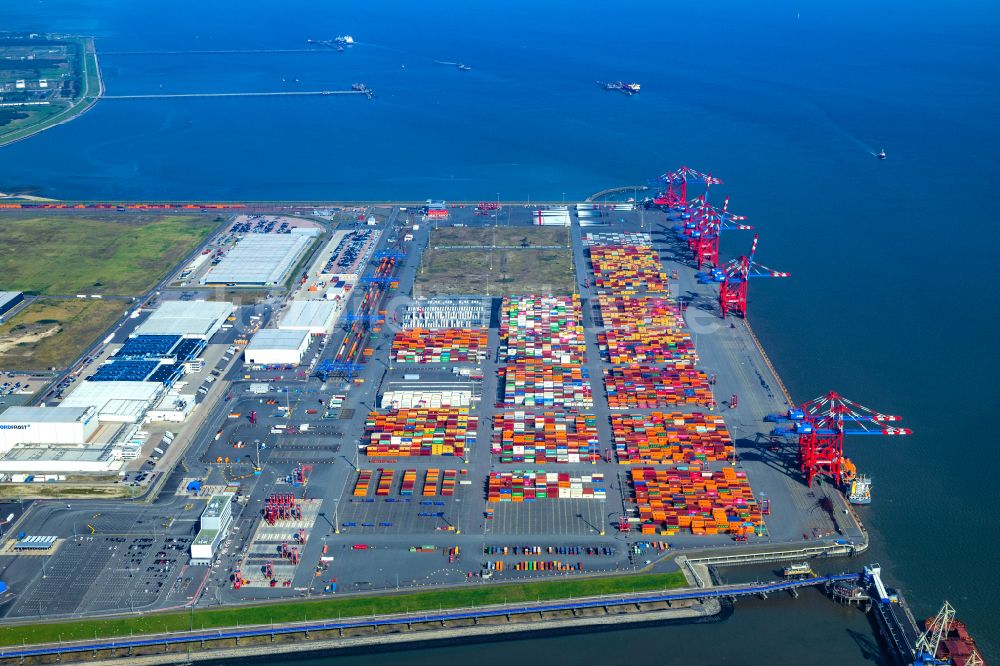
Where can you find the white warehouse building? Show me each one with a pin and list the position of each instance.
(262, 259)
(272, 346)
(121, 402)
(188, 319)
(46, 425)
(316, 317)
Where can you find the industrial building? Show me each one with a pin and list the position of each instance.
(115, 401)
(271, 346)
(173, 407)
(46, 425)
(160, 347)
(9, 300)
(216, 520)
(188, 319)
(261, 260)
(94, 458)
(316, 317)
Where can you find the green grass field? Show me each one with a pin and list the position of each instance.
(332, 608)
(521, 267)
(51, 333)
(121, 255)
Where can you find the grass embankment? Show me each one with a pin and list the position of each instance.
(72, 254)
(521, 268)
(50, 333)
(333, 608)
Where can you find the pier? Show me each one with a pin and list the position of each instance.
(211, 52)
(616, 190)
(289, 93)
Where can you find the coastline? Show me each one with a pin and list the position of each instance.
(416, 636)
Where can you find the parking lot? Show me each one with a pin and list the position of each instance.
(399, 515)
(17, 388)
(558, 517)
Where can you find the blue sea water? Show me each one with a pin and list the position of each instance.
(892, 300)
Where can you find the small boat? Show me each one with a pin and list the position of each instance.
(628, 88)
(802, 570)
(861, 490)
(464, 68)
(344, 39)
(881, 154)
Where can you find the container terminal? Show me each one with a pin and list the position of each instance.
(345, 438)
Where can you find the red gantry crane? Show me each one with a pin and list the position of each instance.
(820, 426)
(705, 228)
(675, 186)
(733, 290)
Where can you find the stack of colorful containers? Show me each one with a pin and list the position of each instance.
(420, 432)
(431, 482)
(385, 483)
(544, 346)
(528, 486)
(648, 387)
(643, 330)
(544, 328)
(535, 384)
(448, 483)
(647, 344)
(706, 503)
(408, 483)
(627, 269)
(670, 439)
(362, 485)
(524, 437)
(446, 345)
(628, 311)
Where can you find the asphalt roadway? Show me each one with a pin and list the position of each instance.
(112, 570)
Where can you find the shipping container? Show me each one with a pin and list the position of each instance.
(648, 387)
(694, 499)
(627, 269)
(420, 432)
(670, 438)
(539, 438)
(532, 485)
(446, 345)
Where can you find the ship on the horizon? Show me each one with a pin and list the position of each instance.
(338, 43)
(628, 88)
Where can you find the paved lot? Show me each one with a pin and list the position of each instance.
(91, 573)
